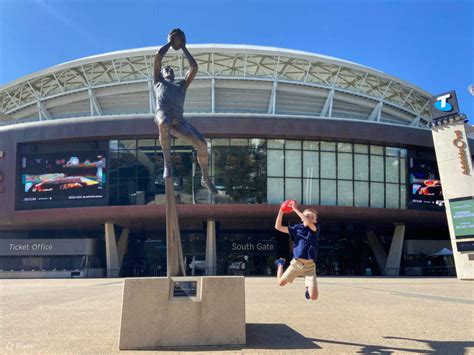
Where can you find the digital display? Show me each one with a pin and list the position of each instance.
(62, 179)
(425, 185)
(462, 215)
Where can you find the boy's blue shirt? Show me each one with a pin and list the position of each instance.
(305, 241)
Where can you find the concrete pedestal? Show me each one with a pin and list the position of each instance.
(182, 312)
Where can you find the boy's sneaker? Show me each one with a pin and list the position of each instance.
(306, 294)
(280, 261)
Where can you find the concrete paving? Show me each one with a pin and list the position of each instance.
(352, 315)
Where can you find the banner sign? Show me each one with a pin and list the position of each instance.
(462, 215)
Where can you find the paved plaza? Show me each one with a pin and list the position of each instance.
(353, 315)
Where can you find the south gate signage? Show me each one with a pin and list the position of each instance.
(245, 245)
(260, 246)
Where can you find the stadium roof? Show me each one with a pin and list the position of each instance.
(232, 79)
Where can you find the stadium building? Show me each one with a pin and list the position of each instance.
(81, 187)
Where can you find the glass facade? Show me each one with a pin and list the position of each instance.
(263, 171)
(238, 168)
(238, 253)
(343, 250)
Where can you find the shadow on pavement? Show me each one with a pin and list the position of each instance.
(373, 349)
(444, 347)
(281, 337)
(276, 336)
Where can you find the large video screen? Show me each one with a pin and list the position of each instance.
(425, 185)
(62, 179)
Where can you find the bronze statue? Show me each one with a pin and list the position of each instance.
(170, 95)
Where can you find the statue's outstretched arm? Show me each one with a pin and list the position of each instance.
(157, 65)
(191, 74)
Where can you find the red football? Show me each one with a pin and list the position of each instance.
(286, 206)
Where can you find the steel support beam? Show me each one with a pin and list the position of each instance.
(272, 102)
(96, 109)
(213, 95)
(43, 111)
(327, 107)
(415, 122)
(376, 112)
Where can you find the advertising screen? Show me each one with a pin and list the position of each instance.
(425, 190)
(62, 179)
(462, 215)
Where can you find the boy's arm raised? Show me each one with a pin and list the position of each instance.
(278, 223)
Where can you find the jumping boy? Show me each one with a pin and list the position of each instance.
(305, 246)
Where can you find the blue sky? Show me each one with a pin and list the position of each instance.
(429, 43)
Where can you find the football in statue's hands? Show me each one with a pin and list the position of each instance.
(176, 38)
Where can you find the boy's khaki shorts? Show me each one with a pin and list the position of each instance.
(297, 268)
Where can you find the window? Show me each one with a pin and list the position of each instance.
(392, 192)
(344, 166)
(275, 162)
(293, 163)
(328, 192)
(293, 189)
(392, 169)
(376, 168)
(361, 194)
(275, 190)
(377, 198)
(328, 165)
(311, 164)
(311, 191)
(344, 193)
(258, 170)
(361, 167)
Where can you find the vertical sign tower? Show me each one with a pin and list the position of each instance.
(455, 168)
